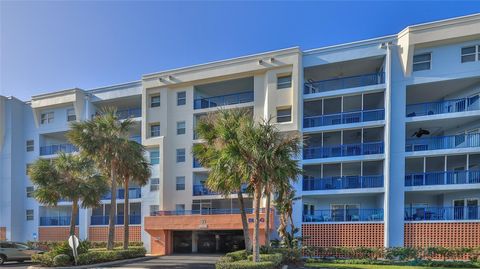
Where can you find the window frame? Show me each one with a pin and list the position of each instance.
(154, 133)
(155, 159)
(30, 145)
(476, 54)
(179, 186)
(289, 116)
(178, 155)
(29, 191)
(422, 62)
(153, 103)
(181, 101)
(184, 128)
(154, 183)
(29, 217)
(284, 85)
(74, 115)
(47, 117)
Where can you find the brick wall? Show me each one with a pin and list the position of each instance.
(100, 233)
(54, 233)
(343, 235)
(447, 234)
(3, 233)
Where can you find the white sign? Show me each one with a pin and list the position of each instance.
(74, 243)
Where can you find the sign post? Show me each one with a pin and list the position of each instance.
(74, 243)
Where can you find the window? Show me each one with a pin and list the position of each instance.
(155, 130)
(422, 61)
(71, 115)
(46, 118)
(27, 168)
(180, 183)
(30, 190)
(181, 98)
(154, 157)
(155, 100)
(180, 207)
(154, 210)
(180, 127)
(471, 54)
(284, 115)
(154, 184)
(29, 214)
(284, 82)
(180, 155)
(30, 145)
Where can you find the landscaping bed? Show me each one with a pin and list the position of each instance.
(61, 255)
(269, 259)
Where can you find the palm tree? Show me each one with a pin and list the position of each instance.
(220, 153)
(68, 177)
(267, 155)
(101, 139)
(133, 167)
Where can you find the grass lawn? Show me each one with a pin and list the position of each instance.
(366, 266)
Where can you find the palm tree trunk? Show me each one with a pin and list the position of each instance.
(246, 234)
(73, 217)
(126, 215)
(113, 207)
(256, 228)
(267, 217)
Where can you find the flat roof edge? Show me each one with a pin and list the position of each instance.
(351, 44)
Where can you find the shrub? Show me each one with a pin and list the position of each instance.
(45, 259)
(238, 255)
(61, 260)
(98, 256)
(276, 258)
(402, 254)
(245, 265)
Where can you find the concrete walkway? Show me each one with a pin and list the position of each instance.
(178, 261)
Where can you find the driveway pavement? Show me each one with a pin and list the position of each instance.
(179, 261)
(15, 265)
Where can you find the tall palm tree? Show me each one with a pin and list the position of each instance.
(101, 139)
(68, 177)
(220, 153)
(133, 167)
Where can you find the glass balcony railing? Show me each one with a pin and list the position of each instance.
(443, 178)
(443, 142)
(134, 193)
(205, 211)
(54, 149)
(200, 190)
(344, 215)
(442, 107)
(442, 213)
(343, 150)
(129, 113)
(196, 163)
(344, 118)
(223, 100)
(56, 221)
(104, 220)
(344, 83)
(341, 183)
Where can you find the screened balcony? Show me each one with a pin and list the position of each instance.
(345, 215)
(127, 107)
(442, 213)
(344, 75)
(465, 140)
(101, 214)
(133, 193)
(340, 176)
(57, 148)
(363, 141)
(119, 220)
(443, 170)
(443, 97)
(224, 93)
(344, 110)
(56, 216)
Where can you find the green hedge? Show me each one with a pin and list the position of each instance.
(237, 255)
(276, 258)
(422, 263)
(49, 245)
(245, 265)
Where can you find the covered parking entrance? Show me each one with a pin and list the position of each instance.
(207, 241)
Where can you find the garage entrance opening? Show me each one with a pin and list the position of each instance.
(208, 241)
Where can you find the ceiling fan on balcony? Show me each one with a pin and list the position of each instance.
(421, 132)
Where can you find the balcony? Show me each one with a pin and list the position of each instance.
(442, 213)
(56, 221)
(55, 149)
(443, 142)
(196, 163)
(348, 215)
(344, 83)
(344, 118)
(223, 100)
(201, 190)
(137, 139)
(342, 183)
(123, 114)
(442, 178)
(205, 211)
(442, 107)
(134, 193)
(344, 150)
(104, 220)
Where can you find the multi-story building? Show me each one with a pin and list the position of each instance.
(391, 152)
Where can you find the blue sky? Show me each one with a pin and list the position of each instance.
(48, 46)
